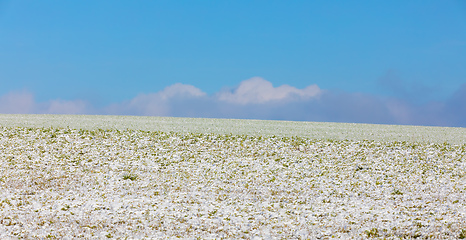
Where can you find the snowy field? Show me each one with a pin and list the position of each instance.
(104, 177)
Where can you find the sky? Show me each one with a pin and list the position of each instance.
(383, 62)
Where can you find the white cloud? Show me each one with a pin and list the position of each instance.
(66, 107)
(181, 90)
(259, 99)
(156, 104)
(400, 111)
(23, 103)
(17, 102)
(259, 90)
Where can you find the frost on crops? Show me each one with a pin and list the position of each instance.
(67, 183)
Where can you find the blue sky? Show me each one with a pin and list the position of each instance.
(391, 62)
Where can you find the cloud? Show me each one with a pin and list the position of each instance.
(393, 84)
(156, 104)
(455, 108)
(400, 110)
(181, 90)
(350, 107)
(17, 102)
(23, 102)
(259, 90)
(66, 107)
(257, 98)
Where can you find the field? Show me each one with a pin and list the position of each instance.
(104, 177)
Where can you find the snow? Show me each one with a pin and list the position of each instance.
(68, 183)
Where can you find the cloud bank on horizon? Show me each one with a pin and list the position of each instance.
(257, 98)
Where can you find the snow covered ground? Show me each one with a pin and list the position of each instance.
(65, 183)
(314, 130)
